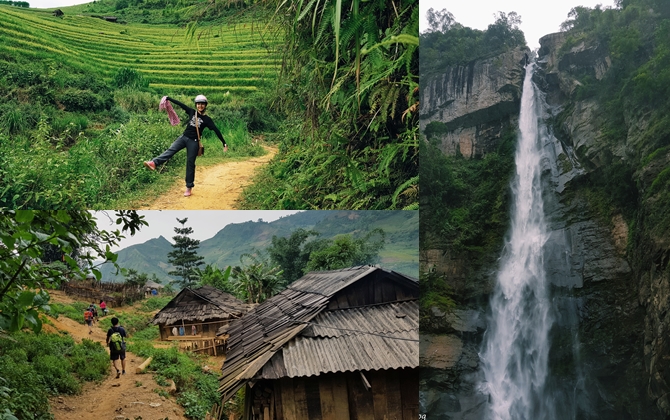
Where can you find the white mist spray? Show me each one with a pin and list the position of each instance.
(516, 346)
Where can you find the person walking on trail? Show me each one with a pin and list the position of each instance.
(117, 346)
(94, 311)
(103, 308)
(190, 139)
(88, 318)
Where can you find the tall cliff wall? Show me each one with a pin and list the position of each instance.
(473, 104)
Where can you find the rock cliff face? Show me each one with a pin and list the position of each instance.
(610, 356)
(473, 104)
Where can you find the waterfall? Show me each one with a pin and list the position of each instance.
(516, 345)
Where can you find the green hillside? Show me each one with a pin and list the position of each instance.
(400, 253)
(222, 59)
(79, 109)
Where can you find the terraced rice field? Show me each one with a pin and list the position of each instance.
(224, 58)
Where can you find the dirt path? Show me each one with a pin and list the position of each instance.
(216, 187)
(129, 397)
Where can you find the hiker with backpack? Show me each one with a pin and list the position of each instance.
(103, 308)
(88, 318)
(190, 139)
(117, 346)
(94, 311)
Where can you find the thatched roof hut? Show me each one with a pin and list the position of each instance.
(201, 311)
(331, 344)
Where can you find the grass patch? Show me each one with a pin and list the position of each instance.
(153, 303)
(35, 367)
(74, 310)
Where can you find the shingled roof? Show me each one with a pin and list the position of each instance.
(260, 334)
(200, 304)
(346, 340)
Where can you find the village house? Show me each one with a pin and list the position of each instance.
(336, 345)
(195, 315)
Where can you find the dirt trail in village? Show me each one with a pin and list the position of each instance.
(129, 397)
(216, 187)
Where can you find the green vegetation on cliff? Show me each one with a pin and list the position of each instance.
(465, 202)
(448, 43)
(634, 93)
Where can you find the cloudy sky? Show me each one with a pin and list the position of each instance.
(205, 223)
(538, 17)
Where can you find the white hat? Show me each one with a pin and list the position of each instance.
(200, 98)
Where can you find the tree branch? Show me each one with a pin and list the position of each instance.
(9, 283)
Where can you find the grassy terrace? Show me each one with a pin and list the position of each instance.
(221, 58)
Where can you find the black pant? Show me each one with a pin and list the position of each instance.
(191, 153)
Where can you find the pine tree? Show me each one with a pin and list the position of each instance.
(185, 256)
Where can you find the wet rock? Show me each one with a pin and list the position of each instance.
(439, 351)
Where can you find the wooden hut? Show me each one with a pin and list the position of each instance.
(151, 288)
(195, 315)
(338, 345)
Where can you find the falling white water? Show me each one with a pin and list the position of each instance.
(516, 346)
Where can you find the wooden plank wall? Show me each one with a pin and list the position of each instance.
(370, 291)
(393, 395)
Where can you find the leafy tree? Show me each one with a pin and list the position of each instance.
(25, 276)
(257, 279)
(347, 252)
(185, 256)
(135, 278)
(214, 276)
(448, 43)
(292, 253)
(439, 21)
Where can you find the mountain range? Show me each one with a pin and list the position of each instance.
(401, 252)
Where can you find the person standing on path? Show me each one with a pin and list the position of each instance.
(190, 139)
(88, 318)
(117, 352)
(103, 308)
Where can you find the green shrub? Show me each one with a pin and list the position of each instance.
(90, 361)
(12, 120)
(136, 101)
(83, 100)
(132, 323)
(154, 303)
(130, 78)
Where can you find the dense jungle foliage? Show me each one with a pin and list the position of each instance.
(636, 87)
(465, 202)
(348, 92)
